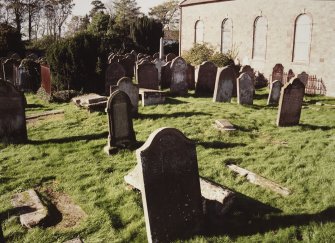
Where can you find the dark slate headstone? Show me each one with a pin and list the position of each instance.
(190, 77)
(205, 78)
(147, 76)
(121, 132)
(278, 73)
(171, 189)
(303, 77)
(290, 103)
(46, 79)
(128, 64)
(114, 72)
(169, 57)
(290, 75)
(158, 64)
(126, 85)
(274, 94)
(179, 84)
(12, 114)
(166, 76)
(224, 85)
(245, 90)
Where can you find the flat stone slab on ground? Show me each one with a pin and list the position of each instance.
(210, 191)
(92, 102)
(152, 97)
(30, 201)
(224, 125)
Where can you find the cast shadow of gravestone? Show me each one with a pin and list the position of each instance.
(173, 115)
(220, 145)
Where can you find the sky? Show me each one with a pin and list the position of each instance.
(82, 7)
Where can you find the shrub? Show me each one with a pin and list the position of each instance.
(10, 40)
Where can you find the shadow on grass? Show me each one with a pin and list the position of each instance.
(34, 106)
(220, 145)
(318, 99)
(316, 127)
(261, 96)
(173, 115)
(70, 139)
(116, 221)
(170, 100)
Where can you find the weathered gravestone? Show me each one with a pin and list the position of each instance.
(303, 78)
(169, 57)
(46, 79)
(249, 70)
(290, 103)
(114, 72)
(224, 84)
(126, 85)
(290, 75)
(190, 77)
(245, 89)
(147, 76)
(205, 77)
(278, 73)
(166, 76)
(158, 64)
(171, 190)
(12, 114)
(121, 132)
(128, 64)
(179, 84)
(274, 94)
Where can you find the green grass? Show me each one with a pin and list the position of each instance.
(70, 153)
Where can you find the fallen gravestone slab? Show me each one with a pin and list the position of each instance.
(43, 114)
(260, 181)
(152, 97)
(91, 102)
(210, 191)
(29, 200)
(224, 125)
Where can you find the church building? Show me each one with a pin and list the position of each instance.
(299, 34)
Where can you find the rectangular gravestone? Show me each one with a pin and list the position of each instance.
(224, 85)
(274, 94)
(152, 97)
(245, 89)
(171, 189)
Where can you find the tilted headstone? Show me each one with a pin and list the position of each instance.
(126, 85)
(114, 72)
(290, 103)
(274, 94)
(171, 189)
(147, 76)
(179, 84)
(224, 84)
(245, 89)
(121, 132)
(190, 76)
(303, 78)
(166, 76)
(169, 57)
(278, 73)
(128, 64)
(12, 114)
(205, 78)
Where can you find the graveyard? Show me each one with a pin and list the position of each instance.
(64, 156)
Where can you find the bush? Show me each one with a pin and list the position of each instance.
(10, 40)
(41, 45)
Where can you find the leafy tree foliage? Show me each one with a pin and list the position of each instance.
(98, 6)
(167, 13)
(10, 40)
(99, 24)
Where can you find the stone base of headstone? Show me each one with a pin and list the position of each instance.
(224, 125)
(152, 97)
(35, 211)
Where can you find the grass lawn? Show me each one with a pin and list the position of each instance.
(66, 155)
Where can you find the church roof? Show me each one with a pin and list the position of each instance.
(194, 2)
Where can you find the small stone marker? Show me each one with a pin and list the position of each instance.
(114, 72)
(132, 90)
(33, 210)
(12, 114)
(179, 84)
(121, 132)
(274, 94)
(291, 98)
(152, 97)
(278, 73)
(147, 76)
(245, 90)
(205, 77)
(224, 125)
(224, 85)
(171, 189)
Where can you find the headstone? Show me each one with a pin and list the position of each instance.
(290, 75)
(274, 94)
(12, 114)
(205, 77)
(303, 78)
(128, 64)
(126, 85)
(290, 103)
(140, 56)
(46, 79)
(245, 89)
(147, 76)
(179, 84)
(152, 97)
(171, 190)
(158, 64)
(166, 76)
(121, 132)
(169, 57)
(249, 70)
(278, 73)
(190, 77)
(114, 72)
(224, 84)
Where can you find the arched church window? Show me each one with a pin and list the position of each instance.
(199, 32)
(226, 35)
(260, 32)
(302, 38)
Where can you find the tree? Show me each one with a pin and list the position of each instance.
(33, 7)
(77, 24)
(18, 9)
(99, 24)
(10, 40)
(98, 6)
(167, 13)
